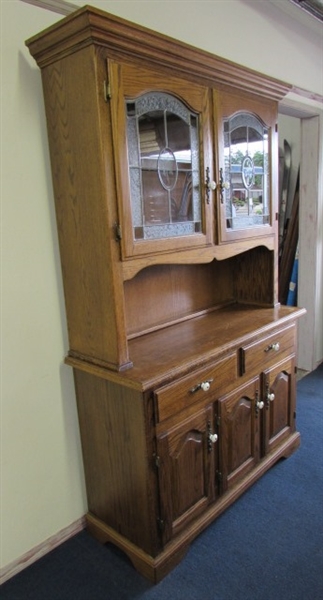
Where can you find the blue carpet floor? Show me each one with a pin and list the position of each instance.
(267, 546)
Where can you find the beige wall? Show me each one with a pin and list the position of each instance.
(42, 484)
(41, 472)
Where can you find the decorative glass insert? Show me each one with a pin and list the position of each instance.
(163, 151)
(246, 171)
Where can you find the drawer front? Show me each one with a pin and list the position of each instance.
(203, 383)
(267, 351)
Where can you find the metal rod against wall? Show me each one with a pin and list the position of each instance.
(59, 6)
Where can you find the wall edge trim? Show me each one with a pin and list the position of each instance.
(41, 550)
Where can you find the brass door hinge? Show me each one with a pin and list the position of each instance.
(118, 233)
(106, 91)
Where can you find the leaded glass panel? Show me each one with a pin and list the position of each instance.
(246, 172)
(163, 153)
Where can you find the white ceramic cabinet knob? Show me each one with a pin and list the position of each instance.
(205, 385)
(213, 437)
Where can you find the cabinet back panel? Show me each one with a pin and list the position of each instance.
(255, 280)
(163, 294)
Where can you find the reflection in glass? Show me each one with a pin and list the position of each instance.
(163, 142)
(246, 168)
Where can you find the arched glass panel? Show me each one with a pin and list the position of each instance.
(163, 150)
(246, 172)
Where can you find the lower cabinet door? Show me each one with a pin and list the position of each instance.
(187, 462)
(239, 434)
(279, 395)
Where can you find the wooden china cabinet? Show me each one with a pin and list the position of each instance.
(164, 165)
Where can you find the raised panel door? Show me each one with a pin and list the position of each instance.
(187, 459)
(279, 396)
(239, 433)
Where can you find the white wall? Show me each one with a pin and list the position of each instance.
(42, 478)
(303, 135)
(310, 341)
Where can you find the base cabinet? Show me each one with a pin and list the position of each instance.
(164, 462)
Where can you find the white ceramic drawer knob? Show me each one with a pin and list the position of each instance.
(271, 397)
(205, 385)
(275, 347)
(260, 404)
(213, 437)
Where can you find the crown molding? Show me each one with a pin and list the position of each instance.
(129, 41)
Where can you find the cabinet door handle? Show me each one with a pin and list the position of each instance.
(259, 404)
(275, 347)
(204, 385)
(209, 184)
(270, 396)
(211, 438)
(223, 185)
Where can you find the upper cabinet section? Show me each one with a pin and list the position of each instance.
(184, 167)
(246, 133)
(161, 138)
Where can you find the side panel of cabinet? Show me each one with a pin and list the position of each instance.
(116, 426)
(85, 200)
(279, 413)
(187, 465)
(239, 433)
(131, 82)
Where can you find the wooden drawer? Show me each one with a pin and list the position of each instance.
(267, 351)
(203, 383)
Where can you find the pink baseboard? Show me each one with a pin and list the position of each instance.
(40, 550)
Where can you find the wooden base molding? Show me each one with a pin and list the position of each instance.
(40, 550)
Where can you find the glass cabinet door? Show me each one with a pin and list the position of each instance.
(245, 180)
(246, 172)
(162, 141)
(163, 151)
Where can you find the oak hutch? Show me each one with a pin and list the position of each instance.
(164, 166)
